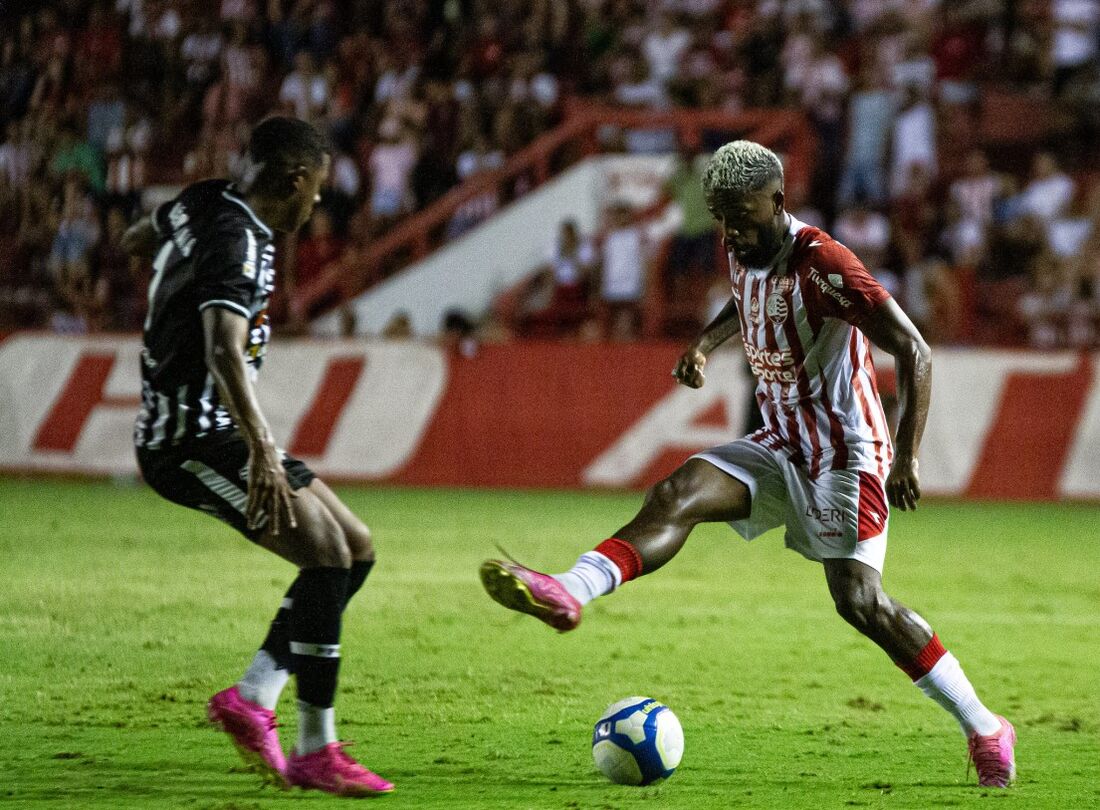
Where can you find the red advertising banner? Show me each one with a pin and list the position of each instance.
(1020, 425)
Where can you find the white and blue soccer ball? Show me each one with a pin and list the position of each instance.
(637, 741)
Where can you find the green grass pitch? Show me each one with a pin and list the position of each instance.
(120, 614)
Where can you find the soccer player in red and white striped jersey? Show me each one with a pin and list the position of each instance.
(823, 466)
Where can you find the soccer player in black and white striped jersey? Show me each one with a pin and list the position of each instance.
(203, 442)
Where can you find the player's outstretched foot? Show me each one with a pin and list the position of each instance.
(527, 591)
(252, 729)
(331, 769)
(994, 755)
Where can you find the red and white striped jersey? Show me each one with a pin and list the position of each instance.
(815, 377)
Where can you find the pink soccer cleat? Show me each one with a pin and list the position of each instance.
(994, 756)
(252, 729)
(330, 769)
(519, 588)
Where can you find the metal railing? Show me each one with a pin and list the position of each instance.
(577, 137)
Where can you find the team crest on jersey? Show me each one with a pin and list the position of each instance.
(776, 308)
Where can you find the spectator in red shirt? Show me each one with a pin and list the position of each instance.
(99, 47)
(316, 251)
(958, 49)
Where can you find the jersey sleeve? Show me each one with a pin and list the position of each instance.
(176, 208)
(225, 270)
(839, 286)
(159, 218)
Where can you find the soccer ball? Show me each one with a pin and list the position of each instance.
(637, 741)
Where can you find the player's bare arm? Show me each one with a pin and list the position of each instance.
(689, 369)
(269, 492)
(889, 328)
(141, 238)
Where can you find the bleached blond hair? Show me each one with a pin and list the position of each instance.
(742, 167)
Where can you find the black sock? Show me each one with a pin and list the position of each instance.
(319, 597)
(357, 575)
(277, 643)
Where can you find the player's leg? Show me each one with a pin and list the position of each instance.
(313, 616)
(210, 477)
(841, 518)
(273, 664)
(856, 589)
(906, 637)
(356, 535)
(316, 545)
(697, 492)
(311, 621)
(358, 539)
(319, 546)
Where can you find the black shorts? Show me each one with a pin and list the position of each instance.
(212, 476)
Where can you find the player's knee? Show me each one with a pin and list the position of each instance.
(359, 542)
(861, 606)
(669, 496)
(329, 547)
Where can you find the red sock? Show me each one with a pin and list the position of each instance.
(624, 555)
(926, 659)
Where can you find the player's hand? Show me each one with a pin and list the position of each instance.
(689, 370)
(269, 492)
(903, 484)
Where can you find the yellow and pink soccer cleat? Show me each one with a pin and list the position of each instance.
(540, 595)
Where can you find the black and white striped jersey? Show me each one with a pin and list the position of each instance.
(215, 253)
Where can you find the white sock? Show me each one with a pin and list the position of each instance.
(263, 681)
(316, 727)
(947, 684)
(593, 575)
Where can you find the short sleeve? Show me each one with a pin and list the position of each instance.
(225, 271)
(837, 285)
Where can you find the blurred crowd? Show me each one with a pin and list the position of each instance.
(953, 142)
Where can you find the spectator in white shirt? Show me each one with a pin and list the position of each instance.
(477, 160)
(16, 156)
(867, 234)
(870, 115)
(556, 300)
(914, 140)
(971, 200)
(305, 91)
(1073, 44)
(391, 165)
(664, 47)
(201, 50)
(623, 274)
(1050, 192)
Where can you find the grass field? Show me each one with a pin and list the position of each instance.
(120, 614)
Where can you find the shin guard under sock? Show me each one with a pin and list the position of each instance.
(319, 598)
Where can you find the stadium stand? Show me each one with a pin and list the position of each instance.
(924, 121)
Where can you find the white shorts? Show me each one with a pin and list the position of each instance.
(840, 514)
